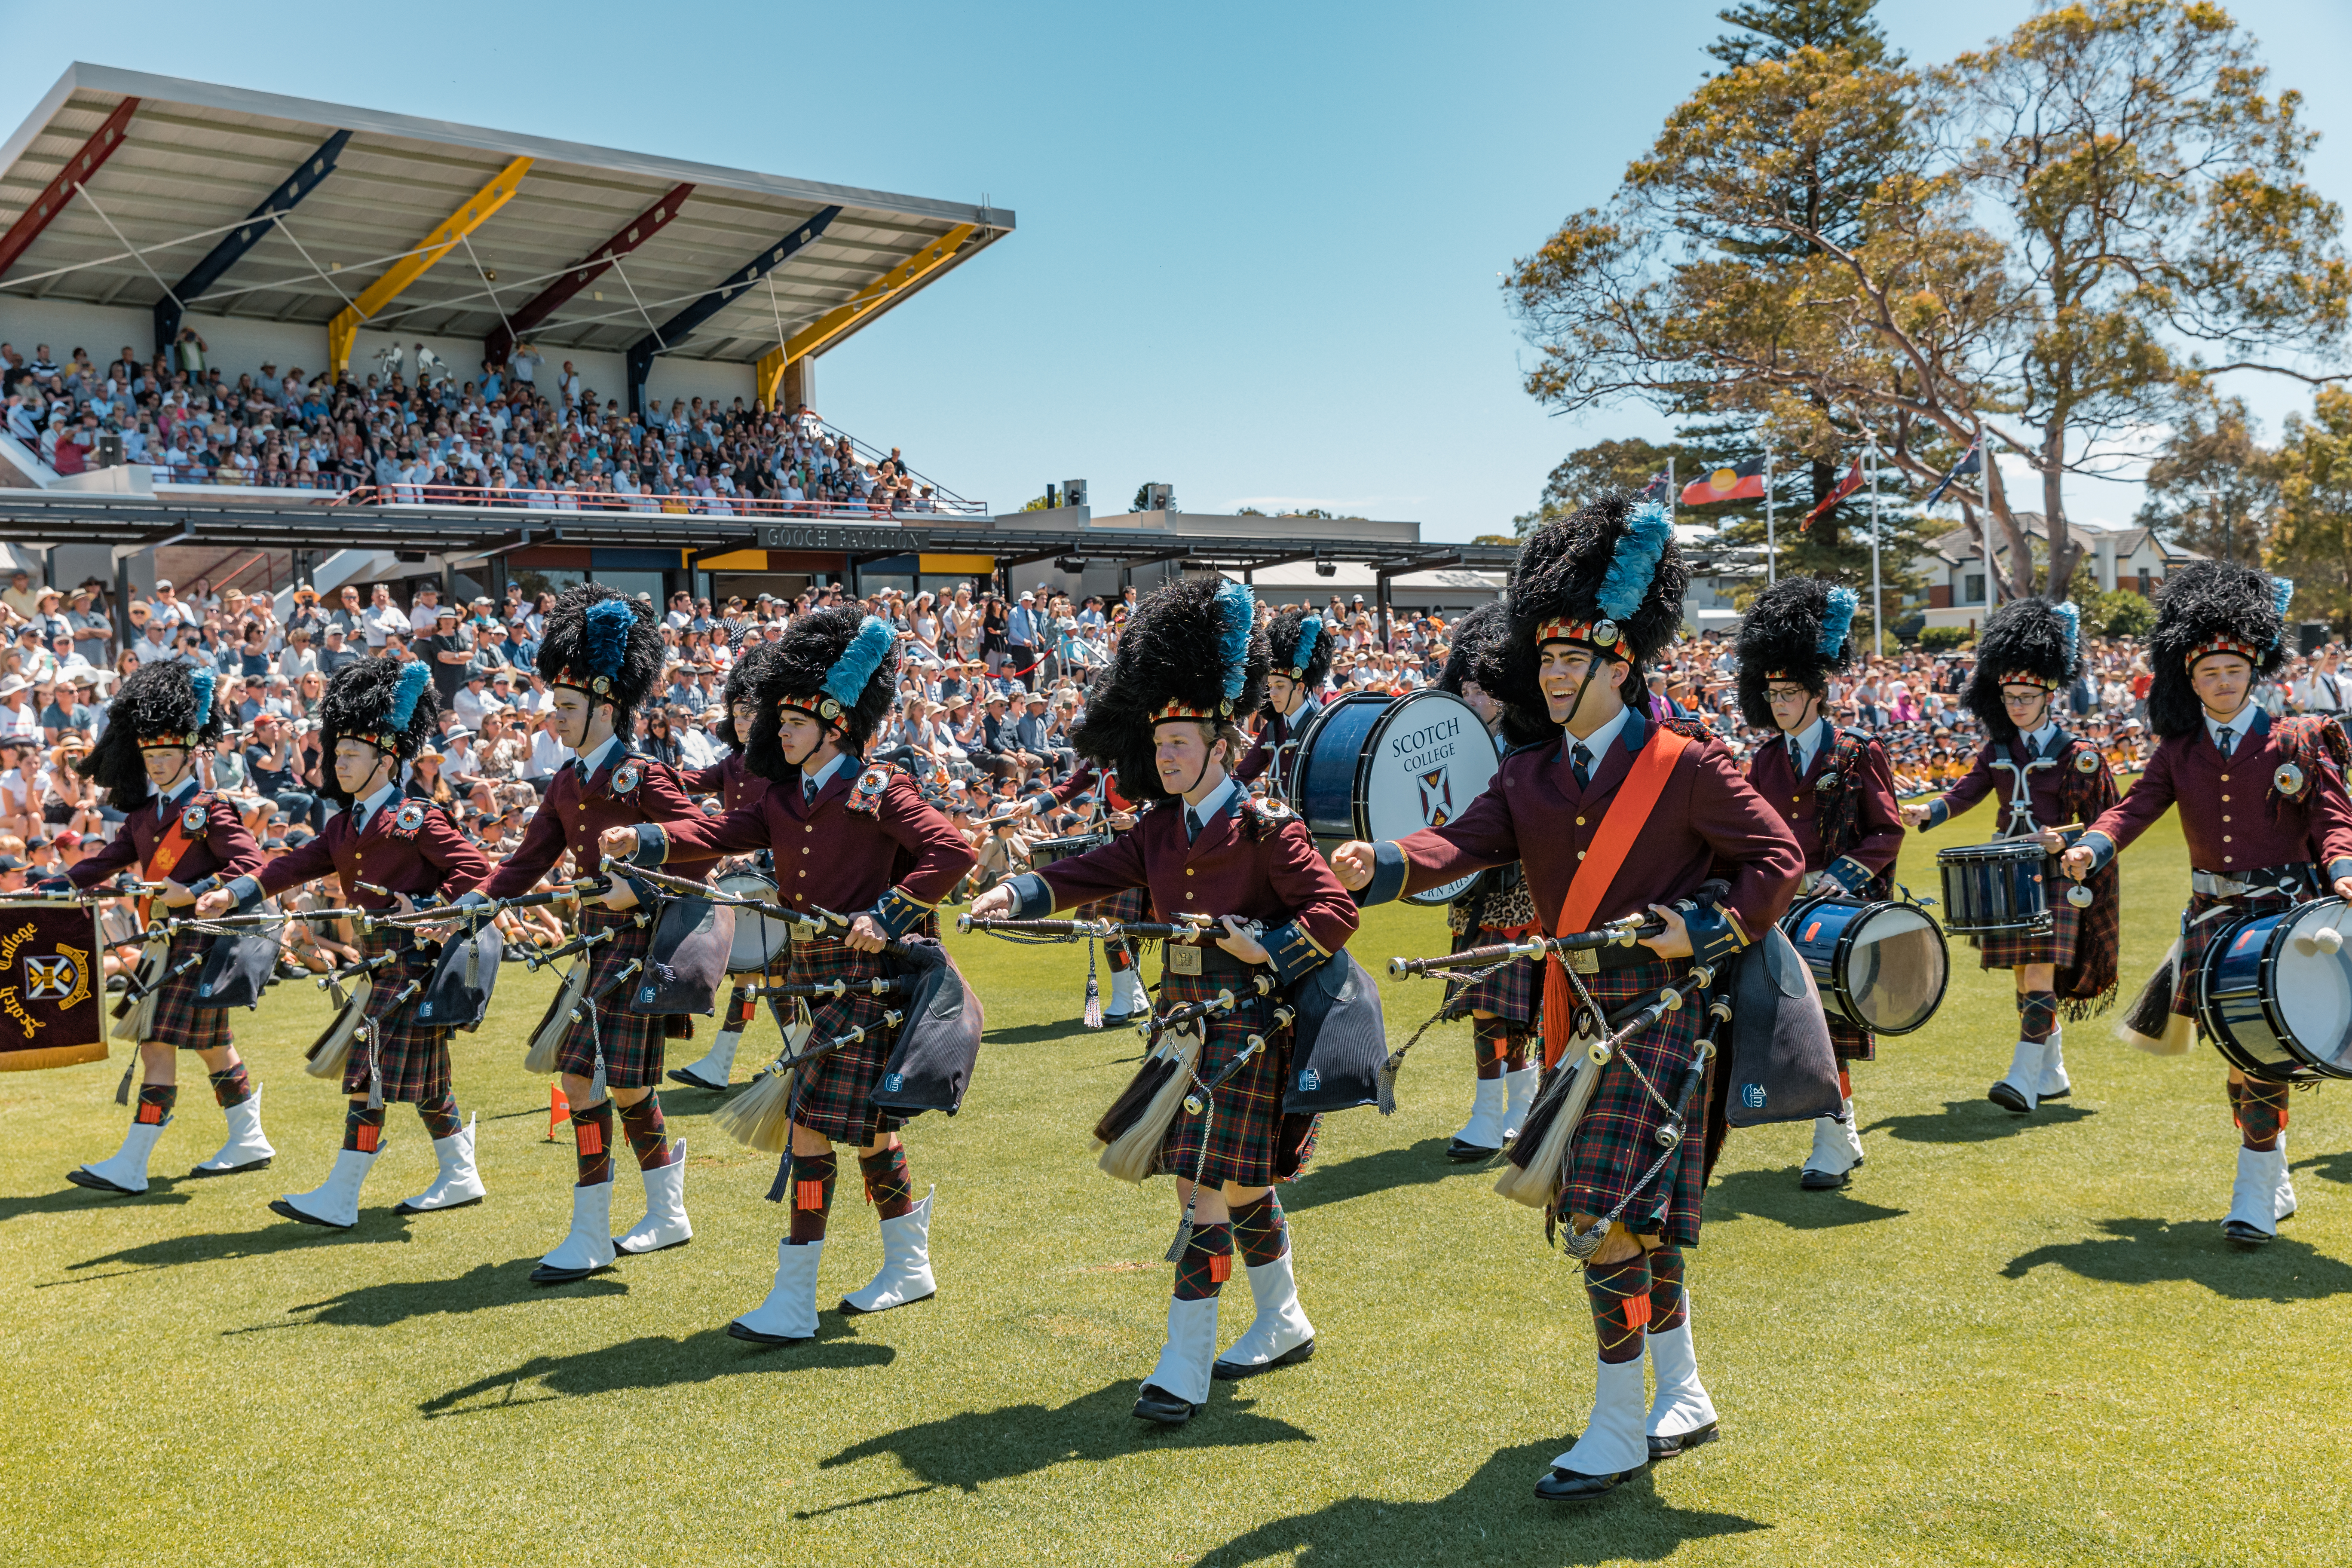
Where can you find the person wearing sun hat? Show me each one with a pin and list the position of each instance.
(2031, 650)
(2263, 805)
(1594, 598)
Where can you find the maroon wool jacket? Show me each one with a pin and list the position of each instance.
(1250, 862)
(1271, 736)
(1877, 834)
(1707, 823)
(573, 815)
(2042, 784)
(224, 849)
(734, 784)
(432, 856)
(2232, 811)
(829, 855)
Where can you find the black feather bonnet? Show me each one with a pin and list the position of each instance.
(2209, 607)
(1607, 578)
(835, 664)
(1298, 644)
(605, 644)
(166, 703)
(1191, 650)
(2026, 641)
(1799, 629)
(389, 704)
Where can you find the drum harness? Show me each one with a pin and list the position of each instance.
(2021, 824)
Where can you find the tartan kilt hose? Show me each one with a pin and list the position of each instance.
(2198, 936)
(413, 1060)
(178, 1020)
(1243, 1132)
(631, 1043)
(1617, 1140)
(1850, 1041)
(2012, 950)
(833, 1096)
(1513, 992)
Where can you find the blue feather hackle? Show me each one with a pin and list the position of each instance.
(1238, 605)
(413, 678)
(609, 621)
(2072, 616)
(1310, 629)
(846, 681)
(2282, 594)
(202, 680)
(1635, 563)
(1837, 620)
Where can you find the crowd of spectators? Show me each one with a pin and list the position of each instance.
(518, 435)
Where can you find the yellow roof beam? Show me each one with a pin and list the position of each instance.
(818, 333)
(344, 330)
(768, 375)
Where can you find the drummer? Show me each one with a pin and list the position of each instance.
(1294, 689)
(1127, 996)
(735, 784)
(2281, 834)
(1833, 787)
(1497, 908)
(2030, 651)
(376, 716)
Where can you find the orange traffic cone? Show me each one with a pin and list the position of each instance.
(559, 1109)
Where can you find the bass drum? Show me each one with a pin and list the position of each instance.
(760, 943)
(1374, 766)
(1882, 965)
(2275, 994)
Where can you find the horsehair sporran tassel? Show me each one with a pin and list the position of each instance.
(1094, 990)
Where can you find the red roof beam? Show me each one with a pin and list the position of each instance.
(59, 191)
(638, 230)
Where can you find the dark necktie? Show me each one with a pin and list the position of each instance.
(2228, 739)
(1579, 761)
(1192, 824)
(808, 789)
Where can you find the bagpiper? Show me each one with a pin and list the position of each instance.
(385, 853)
(1163, 717)
(191, 839)
(600, 656)
(2263, 805)
(846, 836)
(1300, 647)
(1593, 598)
(1833, 787)
(2030, 651)
(735, 784)
(1503, 1007)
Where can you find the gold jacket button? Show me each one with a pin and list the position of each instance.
(1187, 870)
(805, 873)
(2225, 838)
(1580, 854)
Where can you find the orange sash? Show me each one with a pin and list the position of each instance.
(175, 843)
(1621, 825)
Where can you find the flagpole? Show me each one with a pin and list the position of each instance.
(1771, 543)
(1877, 593)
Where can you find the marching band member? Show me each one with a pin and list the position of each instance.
(191, 839)
(600, 656)
(1127, 996)
(1593, 598)
(1498, 908)
(2030, 651)
(1833, 787)
(2280, 833)
(735, 784)
(1301, 648)
(376, 716)
(845, 837)
(1163, 717)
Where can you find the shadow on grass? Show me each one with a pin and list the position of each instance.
(969, 1450)
(1976, 1122)
(1415, 1165)
(222, 1246)
(70, 1199)
(1029, 1034)
(1629, 1524)
(1775, 1195)
(653, 1362)
(2150, 1251)
(484, 1285)
(2334, 1167)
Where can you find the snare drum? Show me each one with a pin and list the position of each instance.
(1374, 766)
(1881, 966)
(1045, 851)
(2275, 996)
(761, 944)
(1996, 887)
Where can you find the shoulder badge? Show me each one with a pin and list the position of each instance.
(2086, 761)
(193, 820)
(1827, 781)
(409, 818)
(626, 776)
(865, 798)
(2289, 779)
(1272, 810)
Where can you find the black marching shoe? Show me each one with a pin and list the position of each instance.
(1827, 1181)
(1568, 1486)
(2005, 1095)
(687, 1076)
(1463, 1154)
(1667, 1447)
(1157, 1404)
(2244, 1236)
(1235, 1371)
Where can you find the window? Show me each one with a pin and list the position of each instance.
(1972, 588)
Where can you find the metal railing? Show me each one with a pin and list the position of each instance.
(529, 498)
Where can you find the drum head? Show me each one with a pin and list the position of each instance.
(2313, 997)
(760, 943)
(1424, 760)
(1896, 968)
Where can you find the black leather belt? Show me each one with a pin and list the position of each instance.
(2291, 881)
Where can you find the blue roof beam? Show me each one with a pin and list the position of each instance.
(671, 333)
(234, 244)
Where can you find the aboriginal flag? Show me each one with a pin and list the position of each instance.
(1740, 481)
(1843, 489)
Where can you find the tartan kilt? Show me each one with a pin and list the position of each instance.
(412, 1059)
(1133, 904)
(2012, 950)
(1850, 1041)
(1617, 1140)
(179, 1021)
(632, 1043)
(1242, 1132)
(2197, 937)
(833, 1096)
(1513, 992)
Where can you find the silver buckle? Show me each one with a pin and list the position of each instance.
(1183, 958)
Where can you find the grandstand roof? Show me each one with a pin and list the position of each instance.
(195, 161)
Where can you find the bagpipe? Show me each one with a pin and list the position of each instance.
(1046, 931)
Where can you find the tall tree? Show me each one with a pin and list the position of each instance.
(1628, 464)
(2312, 542)
(2215, 486)
(2060, 228)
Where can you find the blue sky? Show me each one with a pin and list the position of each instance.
(1258, 246)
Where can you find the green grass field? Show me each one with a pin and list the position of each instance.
(2012, 1341)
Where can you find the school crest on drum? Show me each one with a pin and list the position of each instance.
(1436, 798)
